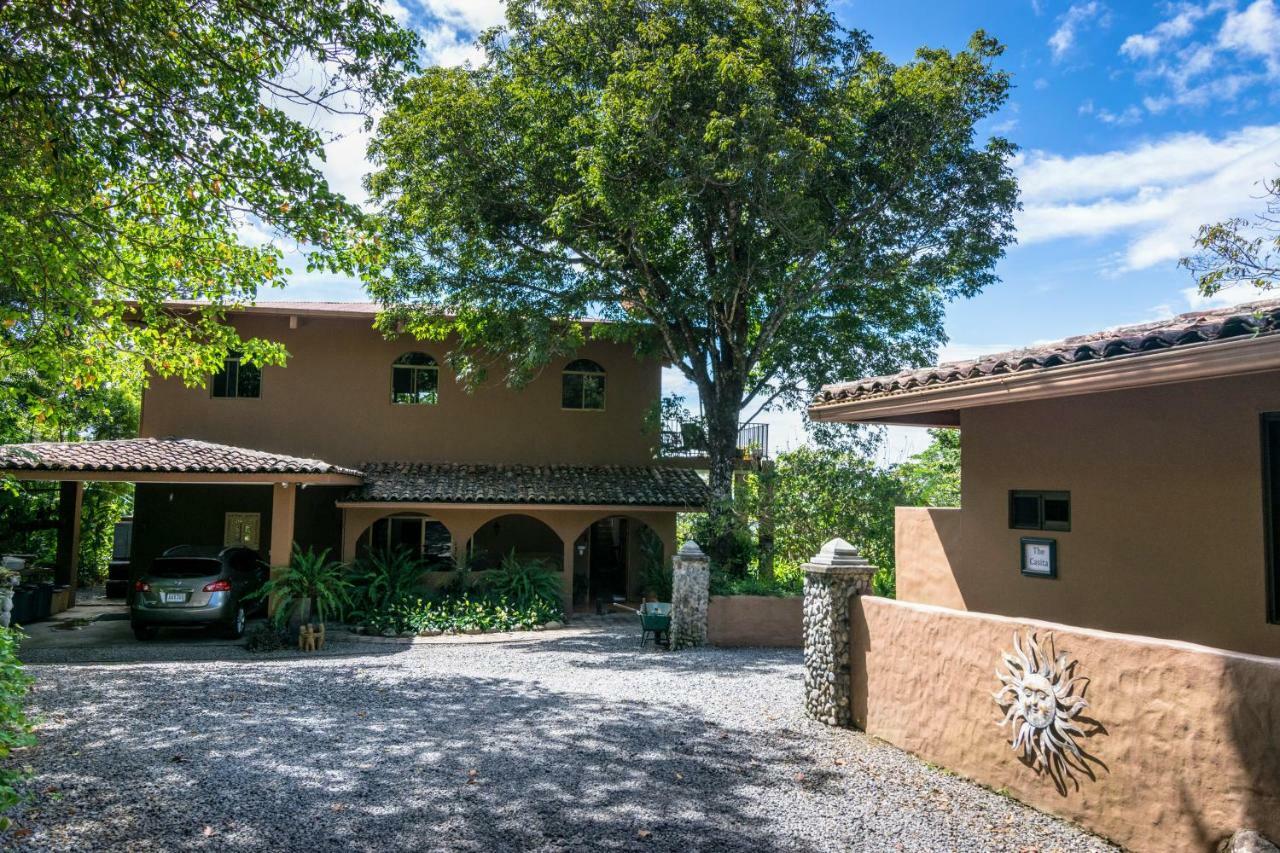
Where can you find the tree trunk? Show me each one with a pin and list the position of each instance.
(722, 450)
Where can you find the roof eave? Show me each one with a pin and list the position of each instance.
(527, 505)
(180, 477)
(1177, 364)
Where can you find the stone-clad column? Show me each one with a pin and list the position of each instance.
(836, 573)
(690, 592)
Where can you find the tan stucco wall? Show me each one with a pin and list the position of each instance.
(1190, 745)
(755, 620)
(333, 402)
(463, 522)
(926, 540)
(1166, 535)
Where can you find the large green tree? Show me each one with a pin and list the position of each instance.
(139, 141)
(740, 186)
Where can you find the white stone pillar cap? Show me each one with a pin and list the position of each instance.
(838, 555)
(690, 551)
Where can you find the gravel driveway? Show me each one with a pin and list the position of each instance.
(555, 742)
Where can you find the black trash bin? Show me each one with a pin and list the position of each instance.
(24, 598)
(44, 606)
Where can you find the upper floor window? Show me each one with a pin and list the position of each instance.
(415, 380)
(583, 386)
(238, 378)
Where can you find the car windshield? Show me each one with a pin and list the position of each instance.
(173, 567)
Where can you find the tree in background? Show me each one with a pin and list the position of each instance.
(29, 510)
(1240, 250)
(932, 476)
(741, 187)
(143, 144)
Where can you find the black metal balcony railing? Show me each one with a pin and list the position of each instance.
(689, 439)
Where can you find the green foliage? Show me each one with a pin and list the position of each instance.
(312, 587)
(655, 569)
(1240, 250)
(29, 511)
(523, 582)
(932, 476)
(381, 578)
(140, 141)
(741, 187)
(270, 638)
(471, 612)
(15, 728)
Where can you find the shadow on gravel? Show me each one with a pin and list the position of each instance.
(608, 649)
(314, 757)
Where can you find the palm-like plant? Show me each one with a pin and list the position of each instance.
(383, 578)
(524, 582)
(311, 580)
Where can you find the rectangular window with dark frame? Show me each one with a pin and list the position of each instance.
(237, 378)
(1038, 510)
(1271, 503)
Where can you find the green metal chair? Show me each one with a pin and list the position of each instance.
(655, 623)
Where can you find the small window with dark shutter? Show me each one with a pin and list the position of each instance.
(1038, 510)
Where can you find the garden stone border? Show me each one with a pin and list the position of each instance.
(347, 634)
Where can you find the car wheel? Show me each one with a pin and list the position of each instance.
(235, 628)
(145, 632)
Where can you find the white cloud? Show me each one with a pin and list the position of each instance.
(1254, 32)
(1076, 19)
(1154, 195)
(1199, 68)
(1129, 115)
(1232, 294)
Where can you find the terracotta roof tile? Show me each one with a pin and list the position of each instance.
(158, 455)
(1199, 327)
(529, 484)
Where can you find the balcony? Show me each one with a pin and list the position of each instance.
(688, 440)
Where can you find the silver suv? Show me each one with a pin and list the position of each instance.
(191, 586)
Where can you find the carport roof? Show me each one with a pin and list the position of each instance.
(564, 485)
(147, 458)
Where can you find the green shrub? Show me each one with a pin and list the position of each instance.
(655, 570)
(15, 728)
(523, 582)
(313, 583)
(382, 579)
(270, 638)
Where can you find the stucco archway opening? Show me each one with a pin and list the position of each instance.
(618, 559)
(424, 537)
(523, 535)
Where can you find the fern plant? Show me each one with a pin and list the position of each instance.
(312, 582)
(382, 579)
(524, 582)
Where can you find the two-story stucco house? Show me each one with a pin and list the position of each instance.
(361, 440)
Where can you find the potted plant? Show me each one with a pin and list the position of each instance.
(306, 593)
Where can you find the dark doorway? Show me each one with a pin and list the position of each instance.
(608, 565)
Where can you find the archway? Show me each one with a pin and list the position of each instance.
(528, 537)
(618, 558)
(425, 537)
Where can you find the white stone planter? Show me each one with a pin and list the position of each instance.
(6, 605)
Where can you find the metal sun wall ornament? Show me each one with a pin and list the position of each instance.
(1040, 699)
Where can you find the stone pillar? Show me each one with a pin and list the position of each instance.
(836, 573)
(690, 592)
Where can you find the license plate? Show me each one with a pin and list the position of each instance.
(175, 597)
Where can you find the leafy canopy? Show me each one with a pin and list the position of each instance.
(1240, 250)
(740, 186)
(140, 140)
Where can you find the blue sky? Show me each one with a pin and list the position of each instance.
(1136, 122)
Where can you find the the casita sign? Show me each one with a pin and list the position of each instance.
(1039, 557)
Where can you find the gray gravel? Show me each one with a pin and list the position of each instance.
(557, 742)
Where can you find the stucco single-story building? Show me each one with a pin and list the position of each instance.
(1096, 628)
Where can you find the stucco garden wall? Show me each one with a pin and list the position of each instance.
(1183, 737)
(755, 620)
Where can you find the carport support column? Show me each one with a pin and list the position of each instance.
(283, 501)
(690, 593)
(836, 574)
(67, 561)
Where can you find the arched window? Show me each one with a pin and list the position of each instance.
(425, 538)
(415, 379)
(582, 386)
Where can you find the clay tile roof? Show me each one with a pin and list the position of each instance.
(158, 455)
(1199, 327)
(530, 484)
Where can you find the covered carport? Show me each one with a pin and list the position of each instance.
(174, 461)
